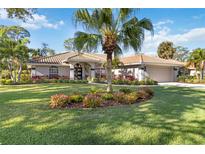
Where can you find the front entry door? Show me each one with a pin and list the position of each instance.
(78, 72)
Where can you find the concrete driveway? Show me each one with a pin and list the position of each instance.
(197, 86)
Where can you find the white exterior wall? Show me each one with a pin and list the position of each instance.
(64, 71)
(136, 73)
(116, 72)
(42, 71)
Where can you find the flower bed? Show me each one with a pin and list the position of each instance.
(128, 81)
(100, 98)
(42, 80)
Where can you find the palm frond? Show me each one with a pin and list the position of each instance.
(86, 41)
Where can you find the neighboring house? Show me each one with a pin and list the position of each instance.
(78, 66)
(193, 72)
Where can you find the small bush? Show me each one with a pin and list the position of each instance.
(6, 81)
(59, 101)
(95, 90)
(3, 81)
(125, 90)
(135, 82)
(107, 96)
(142, 94)
(131, 98)
(119, 97)
(148, 90)
(145, 92)
(92, 101)
(142, 82)
(76, 98)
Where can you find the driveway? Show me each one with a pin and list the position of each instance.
(197, 86)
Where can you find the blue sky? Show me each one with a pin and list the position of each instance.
(184, 27)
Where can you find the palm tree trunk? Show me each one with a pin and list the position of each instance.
(19, 72)
(203, 65)
(10, 70)
(109, 72)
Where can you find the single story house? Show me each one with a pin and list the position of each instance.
(78, 66)
(194, 72)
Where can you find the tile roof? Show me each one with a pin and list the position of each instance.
(69, 56)
(144, 59)
(101, 58)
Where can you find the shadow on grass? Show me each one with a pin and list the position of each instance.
(173, 116)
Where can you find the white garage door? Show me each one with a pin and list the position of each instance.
(160, 74)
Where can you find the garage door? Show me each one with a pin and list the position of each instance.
(160, 74)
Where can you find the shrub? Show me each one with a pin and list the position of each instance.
(59, 101)
(95, 90)
(119, 97)
(142, 82)
(76, 98)
(131, 98)
(92, 101)
(107, 96)
(145, 92)
(142, 94)
(125, 90)
(149, 81)
(3, 81)
(6, 81)
(148, 91)
(135, 82)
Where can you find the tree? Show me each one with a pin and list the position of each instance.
(42, 52)
(69, 44)
(181, 54)
(110, 30)
(20, 13)
(35, 53)
(116, 63)
(13, 49)
(197, 58)
(46, 51)
(166, 50)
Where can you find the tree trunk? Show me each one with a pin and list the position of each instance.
(14, 77)
(10, 70)
(19, 72)
(202, 75)
(109, 72)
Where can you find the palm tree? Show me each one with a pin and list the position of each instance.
(197, 58)
(111, 30)
(13, 49)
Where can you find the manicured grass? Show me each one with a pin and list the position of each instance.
(173, 116)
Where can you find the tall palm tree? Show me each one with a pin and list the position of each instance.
(111, 30)
(197, 58)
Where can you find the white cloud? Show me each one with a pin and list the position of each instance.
(160, 24)
(3, 14)
(38, 21)
(198, 16)
(193, 36)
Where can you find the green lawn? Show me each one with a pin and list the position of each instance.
(173, 116)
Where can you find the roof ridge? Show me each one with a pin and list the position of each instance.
(55, 55)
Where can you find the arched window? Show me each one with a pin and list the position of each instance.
(53, 72)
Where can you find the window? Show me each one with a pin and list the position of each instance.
(53, 72)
